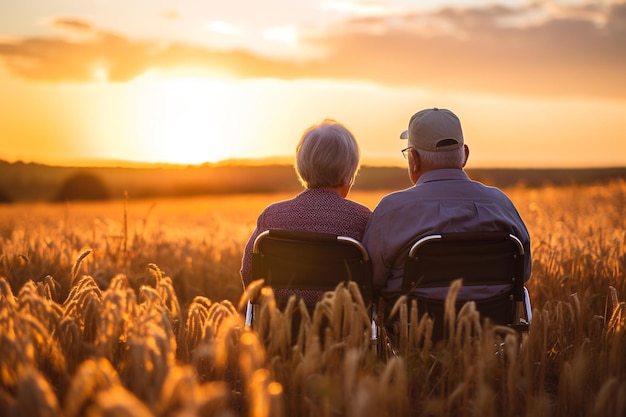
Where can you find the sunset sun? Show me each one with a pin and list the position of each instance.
(182, 120)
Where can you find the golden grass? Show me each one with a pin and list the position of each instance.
(134, 308)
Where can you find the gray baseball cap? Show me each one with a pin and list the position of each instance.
(434, 130)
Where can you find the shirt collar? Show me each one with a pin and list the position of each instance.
(320, 191)
(442, 175)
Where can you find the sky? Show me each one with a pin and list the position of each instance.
(536, 83)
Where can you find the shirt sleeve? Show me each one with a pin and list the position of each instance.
(520, 230)
(246, 262)
(525, 237)
(375, 247)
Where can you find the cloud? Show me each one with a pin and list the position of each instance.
(171, 14)
(73, 24)
(224, 28)
(515, 51)
(48, 59)
(536, 49)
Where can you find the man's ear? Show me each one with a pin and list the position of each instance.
(466, 154)
(414, 165)
(416, 162)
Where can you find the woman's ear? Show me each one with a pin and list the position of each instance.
(345, 189)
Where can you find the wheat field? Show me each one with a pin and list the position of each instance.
(134, 308)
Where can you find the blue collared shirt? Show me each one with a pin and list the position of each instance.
(442, 201)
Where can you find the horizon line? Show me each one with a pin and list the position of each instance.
(269, 161)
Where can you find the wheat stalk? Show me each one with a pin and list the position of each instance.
(91, 377)
(35, 396)
(77, 264)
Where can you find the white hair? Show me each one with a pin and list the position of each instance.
(443, 159)
(327, 156)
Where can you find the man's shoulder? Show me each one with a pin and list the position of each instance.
(490, 191)
(395, 196)
(396, 200)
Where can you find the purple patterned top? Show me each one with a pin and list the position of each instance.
(313, 210)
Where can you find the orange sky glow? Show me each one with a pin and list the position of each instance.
(535, 84)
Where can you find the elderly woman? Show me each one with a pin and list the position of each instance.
(327, 160)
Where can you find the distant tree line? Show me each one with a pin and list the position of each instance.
(35, 182)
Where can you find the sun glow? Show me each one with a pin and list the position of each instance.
(184, 120)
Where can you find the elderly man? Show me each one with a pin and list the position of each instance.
(443, 199)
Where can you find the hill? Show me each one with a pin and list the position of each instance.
(35, 182)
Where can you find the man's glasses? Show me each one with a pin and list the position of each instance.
(405, 152)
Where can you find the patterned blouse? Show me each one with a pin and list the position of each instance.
(313, 210)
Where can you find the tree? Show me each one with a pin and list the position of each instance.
(82, 186)
(4, 197)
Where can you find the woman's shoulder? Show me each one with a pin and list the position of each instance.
(280, 206)
(358, 207)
